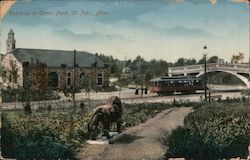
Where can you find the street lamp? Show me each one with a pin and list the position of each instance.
(205, 72)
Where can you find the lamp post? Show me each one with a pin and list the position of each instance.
(205, 73)
(141, 77)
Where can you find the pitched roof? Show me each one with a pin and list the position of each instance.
(57, 58)
(11, 32)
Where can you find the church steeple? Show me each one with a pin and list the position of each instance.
(11, 42)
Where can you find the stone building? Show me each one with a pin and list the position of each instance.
(61, 73)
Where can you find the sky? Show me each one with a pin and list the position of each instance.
(153, 29)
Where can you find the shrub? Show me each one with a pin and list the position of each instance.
(183, 143)
(49, 108)
(57, 135)
(213, 132)
(22, 95)
(82, 105)
(27, 108)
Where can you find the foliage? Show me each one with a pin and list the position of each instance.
(237, 58)
(134, 114)
(37, 75)
(212, 132)
(58, 133)
(13, 72)
(3, 72)
(138, 65)
(246, 92)
(213, 59)
(82, 105)
(25, 137)
(87, 84)
(27, 108)
(141, 68)
(201, 61)
(184, 62)
(22, 95)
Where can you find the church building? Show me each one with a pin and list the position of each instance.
(64, 69)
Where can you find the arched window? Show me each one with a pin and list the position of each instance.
(99, 79)
(53, 79)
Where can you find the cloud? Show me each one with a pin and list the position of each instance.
(241, 1)
(182, 31)
(94, 36)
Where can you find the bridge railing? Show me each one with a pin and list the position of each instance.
(243, 68)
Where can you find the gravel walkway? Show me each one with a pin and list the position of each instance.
(140, 142)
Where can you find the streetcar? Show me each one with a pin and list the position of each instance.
(169, 85)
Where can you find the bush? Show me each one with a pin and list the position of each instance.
(183, 143)
(134, 114)
(23, 95)
(41, 135)
(39, 143)
(57, 135)
(49, 108)
(27, 108)
(82, 105)
(212, 132)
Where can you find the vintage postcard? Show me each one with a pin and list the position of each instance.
(125, 79)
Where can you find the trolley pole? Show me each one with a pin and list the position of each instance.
(205, 73)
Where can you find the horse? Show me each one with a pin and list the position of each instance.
(107, 114)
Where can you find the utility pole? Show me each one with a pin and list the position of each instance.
(248, 75)
(141, 77)
(249, 66)
(205, 73)
(96, 80)
(74, 82)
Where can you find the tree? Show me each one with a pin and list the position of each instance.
(237, 58)
(184, 62)
(38, 75)
(180, 62)
(147, 77)
(3, 73)
(85, 83)
(13, 72)
(191, 61)
(201, 61)
(213, 59)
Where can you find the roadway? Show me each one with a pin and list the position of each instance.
(127, 96)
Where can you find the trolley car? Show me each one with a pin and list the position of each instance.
(169, 85)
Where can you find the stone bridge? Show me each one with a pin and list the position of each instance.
(241, 71)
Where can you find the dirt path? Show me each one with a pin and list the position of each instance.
(142, 142)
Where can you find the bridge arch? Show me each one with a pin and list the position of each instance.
(242, 78)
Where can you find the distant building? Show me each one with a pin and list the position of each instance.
(59, 66)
